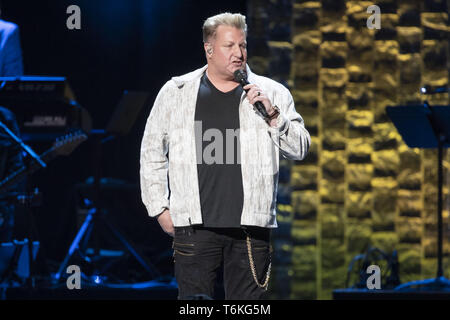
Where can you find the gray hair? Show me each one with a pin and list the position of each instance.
(211, 24)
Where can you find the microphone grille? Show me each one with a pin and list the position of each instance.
(240, 76)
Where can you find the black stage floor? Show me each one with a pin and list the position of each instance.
(138, 291)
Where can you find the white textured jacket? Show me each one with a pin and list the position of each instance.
(168, 152)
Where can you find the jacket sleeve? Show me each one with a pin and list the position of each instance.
(290, 134)
(154, 162)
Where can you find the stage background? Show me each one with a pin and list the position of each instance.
(360, 185)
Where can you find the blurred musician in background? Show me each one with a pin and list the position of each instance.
(10, 161)
(10, 153)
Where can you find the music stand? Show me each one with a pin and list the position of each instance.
(120, 123)
(425, 126)
(126, 112)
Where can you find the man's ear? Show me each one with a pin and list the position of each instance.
(208, 48)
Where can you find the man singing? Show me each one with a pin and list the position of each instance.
(209, 165)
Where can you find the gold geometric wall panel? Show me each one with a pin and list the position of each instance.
(360, 185)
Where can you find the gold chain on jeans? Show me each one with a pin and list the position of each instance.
(252, 266)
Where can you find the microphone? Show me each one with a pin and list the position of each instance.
(241, 77)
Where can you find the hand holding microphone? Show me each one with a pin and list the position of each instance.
(256, 97)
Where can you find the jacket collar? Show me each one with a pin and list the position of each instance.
(197, 74)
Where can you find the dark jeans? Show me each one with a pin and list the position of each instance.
(199, 253)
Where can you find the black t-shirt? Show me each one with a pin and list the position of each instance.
(218, 160)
